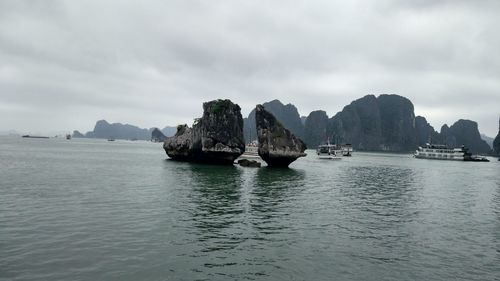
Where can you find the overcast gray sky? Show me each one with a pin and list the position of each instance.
(66, 64)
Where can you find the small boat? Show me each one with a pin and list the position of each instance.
(68, 136)
(346, 149)
(251, 150)
(34, 137)
(111, 139)
(443, 152)
(327, 151)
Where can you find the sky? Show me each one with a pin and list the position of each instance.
(66, 64)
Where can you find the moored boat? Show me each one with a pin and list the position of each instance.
(34, 137)
(327, 151)
(337, 150)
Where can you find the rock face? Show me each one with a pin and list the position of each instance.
(277, 145)
(77, 134)
(398, 123)
(496, 142)
(315, 128)
(216, 137)
(465, 132)
(157, 135)
(180, 146)
(371, 123)
(383, 123)
(425, 132)
(358, 123)
(169, 131)
(488, 140)
(288, 115)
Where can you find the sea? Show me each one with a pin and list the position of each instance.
(89, 209)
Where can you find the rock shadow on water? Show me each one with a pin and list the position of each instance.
(215, 209)
(275, 181)
(272, 196)
(215, 193)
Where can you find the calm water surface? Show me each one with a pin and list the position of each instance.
(98, 210)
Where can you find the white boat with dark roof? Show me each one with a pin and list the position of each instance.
(327, 151)
(443, 152)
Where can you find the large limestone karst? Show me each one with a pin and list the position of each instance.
(216, 137)
(371, 123)
(315, 128)
(358, 123)
(465, 132)
(278, 147)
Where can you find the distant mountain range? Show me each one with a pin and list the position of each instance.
(105, 130)
(383, 123)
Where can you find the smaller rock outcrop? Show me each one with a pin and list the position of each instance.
(216, 137)
(179, 147)
(157, 135)
(277, 145)
(249, 163)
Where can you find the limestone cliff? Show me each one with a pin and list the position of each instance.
(358, 123)
(216, 137)
(157, 135)
(465, 132)
(424, 131)
(496, 142)
(315, 128)
(371, 123)
(278, 147)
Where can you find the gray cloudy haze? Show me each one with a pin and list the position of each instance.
(66, 64)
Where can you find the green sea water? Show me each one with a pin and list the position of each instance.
(97, 210)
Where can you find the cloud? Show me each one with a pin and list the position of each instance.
(153, 63)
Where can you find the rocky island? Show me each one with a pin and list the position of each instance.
(157, 135)
(278, 147)
(215, 138)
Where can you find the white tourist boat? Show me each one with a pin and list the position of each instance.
(443, 152)
(333, 151)
(346, 149)
(328, 151)
(251, 150)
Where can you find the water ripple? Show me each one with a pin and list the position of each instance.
(91, 210)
